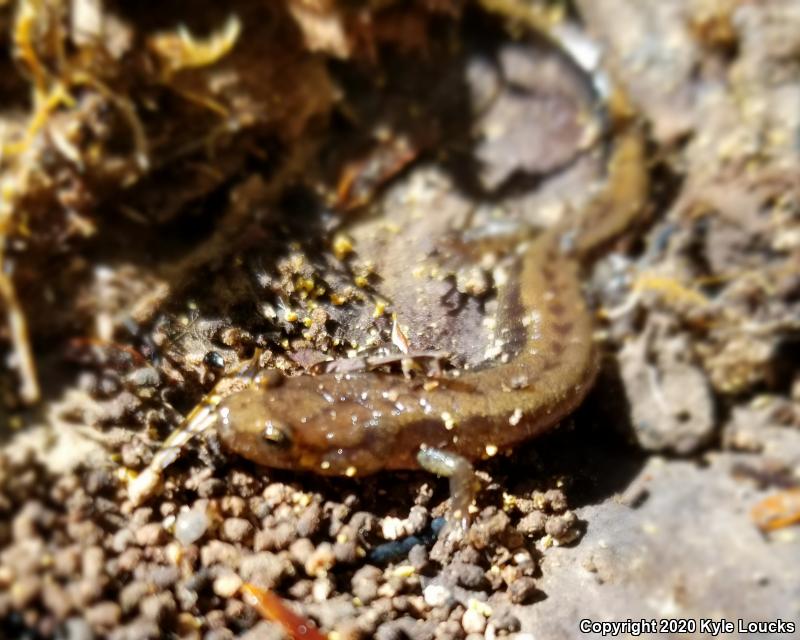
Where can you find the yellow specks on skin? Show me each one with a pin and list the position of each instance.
(350, 471)
(338, 299)
(380, 309)
(515, 417)
(307, 322)
(291, 316)
(650, 528)
(361, 281)
(306, 284)
(491, 450)
(391, 227)
(449, 421)
(342, 246)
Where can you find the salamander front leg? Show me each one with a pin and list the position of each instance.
(462, 479)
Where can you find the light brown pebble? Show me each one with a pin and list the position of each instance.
(449, 630)
(227, 584)
(351, 630)
(141, 516)
(556, 500)
(215, 619)
(7, 576)
(276, 493)
(522, 590)
(564, 528)
(139, 628)
(233, 506)
(56, 599)
(92, 562)
(301, 550)
(275, 538)
(301, 589)
(24, 590)
(346, 552)
(533, 524)
(365, 583)
(505, 622)
(129, 559)
(216, 552)
(122, 539)
(264, 631)
(310, 520)
(473, 621)
(436, 595)
(265, 569)
(236, 529)
(103, 616)
(84, 592)
(158, 607)
(132, 594)
(66, 561)
(321, 560)
(150, 535)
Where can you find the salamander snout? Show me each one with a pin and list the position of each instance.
(257, 431)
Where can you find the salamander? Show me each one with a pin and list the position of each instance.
(356, 424)
(359, 423)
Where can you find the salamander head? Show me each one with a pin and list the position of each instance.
(260, 427)
(293, 426)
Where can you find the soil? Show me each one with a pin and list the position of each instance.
(291, 180)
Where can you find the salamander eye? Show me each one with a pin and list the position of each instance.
(276, 434)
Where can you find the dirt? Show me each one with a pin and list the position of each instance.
(290, 186)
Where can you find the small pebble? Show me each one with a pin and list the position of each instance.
(264, 631)
(471, 576)
(216, 552)
(265, 569)
(533, 524)
(77, 629)
(236, 529)
(522, 590)
(365, 583)
(506, 621)
(191, 525)
(473, 621)
(563, 528)
(227, 585)
(436, 595)
(150, 535)
(449, 630)
(158, 607)
(320, 561)
(104, 616)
